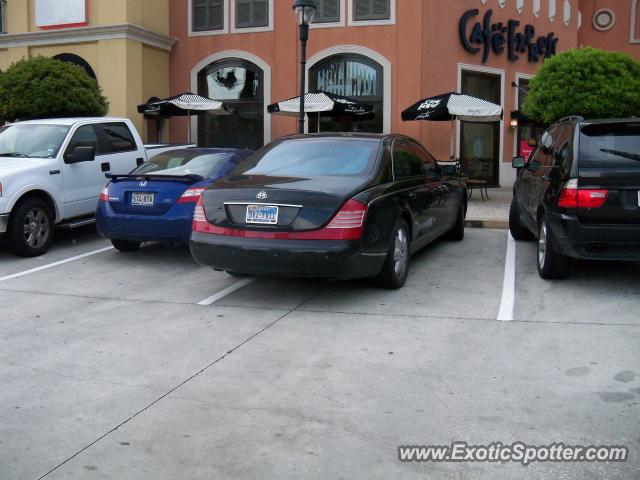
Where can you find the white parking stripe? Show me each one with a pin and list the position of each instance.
(505, 313)
(227, 291)
(55, 264)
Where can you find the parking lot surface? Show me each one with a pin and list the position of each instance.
(149, 366)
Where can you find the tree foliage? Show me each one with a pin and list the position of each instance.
(43, 87)
(585, 81)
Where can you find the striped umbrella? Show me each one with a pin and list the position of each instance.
(320, 102)
(184, 104)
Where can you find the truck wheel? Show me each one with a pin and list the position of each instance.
(551, 264)
(125, 245)
(396, 266)
(30, 229)
(517, 229)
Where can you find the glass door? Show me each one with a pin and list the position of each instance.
(480, 141)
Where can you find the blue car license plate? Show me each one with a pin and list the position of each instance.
(264, 214)
(142, 199)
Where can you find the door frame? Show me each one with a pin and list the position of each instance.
(498, 72)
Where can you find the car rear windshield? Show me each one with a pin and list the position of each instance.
(611, 145)
(183, 163)
(312, 157)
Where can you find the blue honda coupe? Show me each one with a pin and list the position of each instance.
(155, 202)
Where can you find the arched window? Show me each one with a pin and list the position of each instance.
(240, 85)
(355, 76)
(76, 60)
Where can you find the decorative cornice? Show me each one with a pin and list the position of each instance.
(125, 31)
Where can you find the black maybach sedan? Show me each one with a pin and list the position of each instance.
(336, 206)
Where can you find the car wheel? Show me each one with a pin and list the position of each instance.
(457, 232)
(396, 266)
(551, 264)
(30, 229)
(125, 245)
(517, 229)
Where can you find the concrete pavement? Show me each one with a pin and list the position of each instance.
(110, 369)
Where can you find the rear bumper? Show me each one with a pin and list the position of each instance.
(595, 242)
(173, 226)
(285, 258)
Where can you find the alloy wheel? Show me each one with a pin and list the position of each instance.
(400, 253)
(37, 227)
(542, 245)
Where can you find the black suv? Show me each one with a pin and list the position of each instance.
(579, 194)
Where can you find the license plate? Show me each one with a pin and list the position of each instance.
(142, 199)
(264, 214)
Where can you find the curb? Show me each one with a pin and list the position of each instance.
(490, 224)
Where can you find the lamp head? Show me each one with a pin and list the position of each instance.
(305, 10)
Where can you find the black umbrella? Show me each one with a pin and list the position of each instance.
(320, 102)
(453, 106)
(184, 104)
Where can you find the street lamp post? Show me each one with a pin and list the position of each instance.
(305, 11)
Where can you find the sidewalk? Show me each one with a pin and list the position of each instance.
(491, 213)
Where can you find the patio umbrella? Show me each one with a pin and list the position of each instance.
(453, 106)
(184, 104)
(320, 102)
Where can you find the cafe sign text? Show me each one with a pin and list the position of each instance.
(487, 36)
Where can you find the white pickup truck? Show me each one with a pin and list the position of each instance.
(52, 172)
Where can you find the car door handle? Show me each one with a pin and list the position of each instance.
(54, 172)
(412, 194)
(105, 166)
(139, 161)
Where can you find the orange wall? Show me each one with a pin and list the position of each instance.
(619, 36)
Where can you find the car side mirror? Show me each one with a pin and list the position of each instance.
(518, 162)
(80, 154)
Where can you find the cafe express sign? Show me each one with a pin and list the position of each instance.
(486, 36)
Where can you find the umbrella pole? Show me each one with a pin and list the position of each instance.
(453, 137)
(189, 126)
(318, 122)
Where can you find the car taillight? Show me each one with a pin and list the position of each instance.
(191, 195)
(574, 197)
(348, 223)
(200, 223)
(104, 195)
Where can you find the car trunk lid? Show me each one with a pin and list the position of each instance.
(261, 202)
(148, 194)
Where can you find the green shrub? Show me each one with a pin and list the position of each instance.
(42, 87)
(585, 81)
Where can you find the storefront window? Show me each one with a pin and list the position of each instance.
(528, 130)
(480, 142)
(353, 76)
(239, 84)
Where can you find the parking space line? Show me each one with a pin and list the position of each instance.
(227, 291)
(55, 264)
(505, 314)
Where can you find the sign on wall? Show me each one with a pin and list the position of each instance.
(486, 36)
(61, 13)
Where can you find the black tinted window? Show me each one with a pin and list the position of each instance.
(312, 157)
(610, 146)
(119, 137)
(428, 162)
(406, 160)
(83, 137)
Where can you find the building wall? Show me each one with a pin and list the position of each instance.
(129, 67)
(421, 47)
(625, 32)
